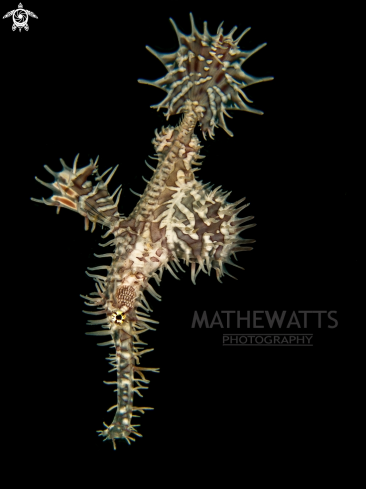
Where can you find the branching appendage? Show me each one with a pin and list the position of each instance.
(72, 190)
(177, 218)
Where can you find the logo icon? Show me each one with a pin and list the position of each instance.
(20, 17)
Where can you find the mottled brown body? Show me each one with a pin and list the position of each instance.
(176, 219)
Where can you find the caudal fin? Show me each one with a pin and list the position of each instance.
(206, 69)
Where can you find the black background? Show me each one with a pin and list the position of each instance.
(71, 87)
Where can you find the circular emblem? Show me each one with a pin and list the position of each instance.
(20, 17)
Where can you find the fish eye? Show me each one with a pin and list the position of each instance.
(118, 317)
